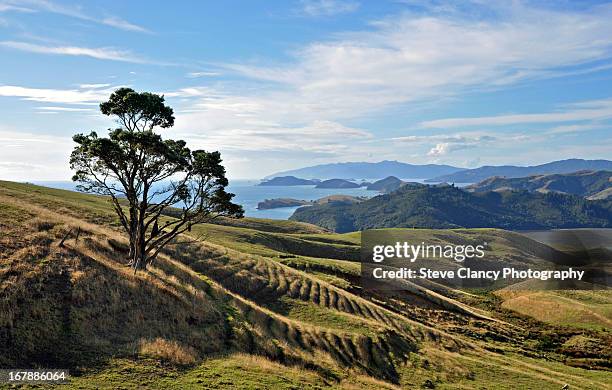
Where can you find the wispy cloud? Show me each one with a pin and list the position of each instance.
(65, 109)
(94, 86)
(446, 147)
(593, 110)
(122, 24)
(6, 7)
(66, 96)
(194, 75)
(413, 57)
(328, 7)
(102, 53)
(445, 144)
(72, 11)
(323, 137)
(401, 60)
(46, 155)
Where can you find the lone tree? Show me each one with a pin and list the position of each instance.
(145, 175)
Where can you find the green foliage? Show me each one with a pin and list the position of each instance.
(151, 174)
(131, 107)
(450, 207)
(202, 312)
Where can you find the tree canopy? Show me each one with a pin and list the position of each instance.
(145, 175)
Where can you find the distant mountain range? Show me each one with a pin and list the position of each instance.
(510, 171)
(435, 173)
(590, 184)
(445, 206)
(366, 170)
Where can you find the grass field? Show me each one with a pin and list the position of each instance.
(581, 309)
(272, 304)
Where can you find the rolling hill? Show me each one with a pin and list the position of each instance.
(386, 185)
(451, 207)
(583, 183)
(258, 304)
(509, 171)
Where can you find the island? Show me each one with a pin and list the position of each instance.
(288, 181)
(445, 206)
(290, 202)
(337, 183)
(386, 185)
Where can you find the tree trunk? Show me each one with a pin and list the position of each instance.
(140, 254)
(132, 235)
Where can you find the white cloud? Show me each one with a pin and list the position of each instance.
(66, 109)
(67, 96)
(94, 86)
(401, 60)
(445, 148)
(592, 110)
(194, 75)
(573, 129)
(119, 23)
(74, 12)
(254, 135)
(35, 156)
(102, 53)
(447, 143)
(328, 7)
(6, 7)
(448, 138)
(412, 58)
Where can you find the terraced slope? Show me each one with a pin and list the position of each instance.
(257, 304)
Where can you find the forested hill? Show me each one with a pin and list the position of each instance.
(583, 183)
(449, 207)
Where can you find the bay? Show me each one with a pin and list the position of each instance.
(249, 194)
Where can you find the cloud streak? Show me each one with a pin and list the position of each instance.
(445, 144)
(66, 96)
(46, 156)
(318, 8)
(585, 111)
(101, 53)
(413, 57)
(74, 12)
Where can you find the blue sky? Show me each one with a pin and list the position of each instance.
(276, 85)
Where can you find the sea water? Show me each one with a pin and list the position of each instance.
(249, 194)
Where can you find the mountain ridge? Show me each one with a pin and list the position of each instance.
(451, 207)
(368, 170)
(582, 183)
(512, 171)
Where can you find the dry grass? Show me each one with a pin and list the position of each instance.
(200, 300)
(555, 308)
(58, 303)
(168, 350)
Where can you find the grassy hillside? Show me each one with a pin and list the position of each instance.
(450, 207)
(257, 304)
